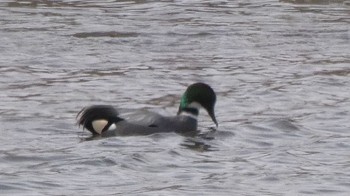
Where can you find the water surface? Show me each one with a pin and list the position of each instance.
(281, 70)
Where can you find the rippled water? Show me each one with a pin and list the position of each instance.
(281, 70)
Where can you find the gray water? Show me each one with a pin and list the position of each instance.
(281, 70)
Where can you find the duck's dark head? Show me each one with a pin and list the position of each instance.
(98, 118)
(196, 96)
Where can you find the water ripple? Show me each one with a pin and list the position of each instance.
(280, 70)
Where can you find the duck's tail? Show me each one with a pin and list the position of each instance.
(98, 118)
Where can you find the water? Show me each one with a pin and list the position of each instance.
(281, 70)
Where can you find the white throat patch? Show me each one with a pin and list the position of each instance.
(195, 105)
(184, 113)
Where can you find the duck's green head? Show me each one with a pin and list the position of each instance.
(198, 95)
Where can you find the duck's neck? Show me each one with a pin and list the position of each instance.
(192, 110)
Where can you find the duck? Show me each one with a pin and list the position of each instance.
(104, 120)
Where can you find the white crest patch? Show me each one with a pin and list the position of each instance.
(99, 125)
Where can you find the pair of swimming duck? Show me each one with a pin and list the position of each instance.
(104, 119)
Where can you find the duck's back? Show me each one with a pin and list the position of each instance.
(150, 119)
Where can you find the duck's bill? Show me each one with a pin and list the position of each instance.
(212, 116)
